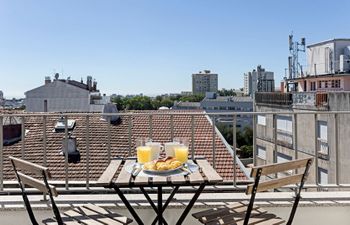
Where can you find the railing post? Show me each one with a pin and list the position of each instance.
(129, 135)
(172, 127)
(1, 154)
(254, 139)
(150, 127)
(192, 137)
(66, 151)
(87, 122)
(44, 141)
(337, 167)
(234, 144)
(109, 139)
(295, 137)
(23, 139)
(213, 141)
(316, 150)
(275, 138)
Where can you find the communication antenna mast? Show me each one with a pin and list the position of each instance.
(293, 60)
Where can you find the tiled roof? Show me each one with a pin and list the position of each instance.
(119, 142)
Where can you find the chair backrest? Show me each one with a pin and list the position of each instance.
(294, 172)
(20, 167)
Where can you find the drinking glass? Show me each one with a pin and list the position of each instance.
(181, 150)
(156, 148)
(144, 152)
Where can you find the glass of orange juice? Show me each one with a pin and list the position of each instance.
(181, 150)
(144, 153)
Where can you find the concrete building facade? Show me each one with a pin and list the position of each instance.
(203, 82)
(65, 95)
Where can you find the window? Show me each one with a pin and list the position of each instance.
(333, 83)
(261, 120)
(313, 86)
(326, 84)
(261, 152)
(283, 157)
(322, 176)
(284, 123)
(322, 130)
(337, 83)
(320, 84)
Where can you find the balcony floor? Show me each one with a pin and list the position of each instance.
(314, 209)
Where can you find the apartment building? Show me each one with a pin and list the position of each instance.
(66, 95)
(314, 126)
(258, 80)
(204, 81)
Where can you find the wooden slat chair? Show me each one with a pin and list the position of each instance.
(86, 214)
(245, 212)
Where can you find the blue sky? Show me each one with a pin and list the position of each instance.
(153, 46)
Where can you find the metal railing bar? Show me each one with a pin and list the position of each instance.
(1, 154)
(192, 137)
(336, 138)
(109, 139)
(129, 135)
(213, 141)
(316, 150)
(234, 144)
(254, 140)
(172, 127)
(23, 137)
(44, 141)
(178, 113)
(65, 151)
(87, 122)
(150, 122)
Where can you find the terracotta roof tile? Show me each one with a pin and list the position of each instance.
(119, 143)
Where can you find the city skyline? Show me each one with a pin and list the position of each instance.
(153, 48)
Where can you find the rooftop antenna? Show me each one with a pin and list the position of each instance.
(293, 60)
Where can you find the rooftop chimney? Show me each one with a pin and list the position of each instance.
(47, 80)
(94, 87)
(89, 82)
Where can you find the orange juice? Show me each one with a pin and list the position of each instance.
(144, 154)
(181, 153)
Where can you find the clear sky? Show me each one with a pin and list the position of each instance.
(153, 46)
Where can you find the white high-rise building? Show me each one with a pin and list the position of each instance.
(203, 82)
(258, 80)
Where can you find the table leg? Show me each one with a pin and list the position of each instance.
(160, 206)
(190, 204)
(128, 206)
(153, 206)
(171, 196)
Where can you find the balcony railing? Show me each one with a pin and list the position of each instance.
(274, 98)
(87, 183)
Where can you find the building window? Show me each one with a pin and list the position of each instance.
(322, 138)
(326, 84)
(320, 84)
(262, 120)
(333, 83)
(337, 83)
(285, 124)
(283, 157)
(322, 176)
(313, 86)
(261, 152)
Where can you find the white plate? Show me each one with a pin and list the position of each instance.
(155, 172)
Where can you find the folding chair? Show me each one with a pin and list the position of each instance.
(86, 214)
(245, 212)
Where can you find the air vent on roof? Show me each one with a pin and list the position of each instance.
(60, 125)
(12, 130)
(111, 108)
(73, 153)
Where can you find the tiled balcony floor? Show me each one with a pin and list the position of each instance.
(305, 215)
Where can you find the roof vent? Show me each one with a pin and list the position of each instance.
(12, 130)
(60, 125)
(73, 153)
(111, 108)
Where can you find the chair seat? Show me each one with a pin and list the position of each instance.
(91, 215)
(234, 214)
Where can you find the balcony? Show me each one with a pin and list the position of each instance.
(98, 141)
(273, 98)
